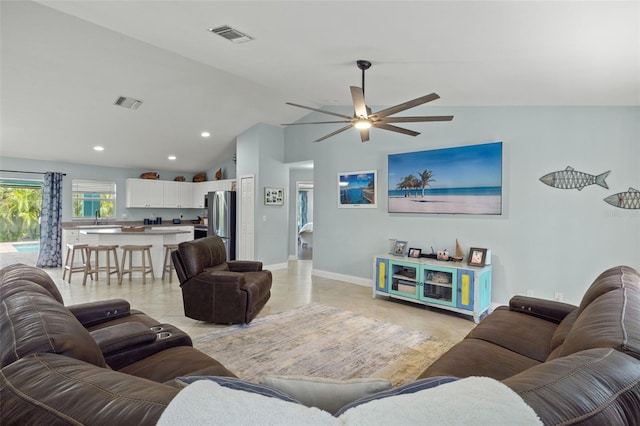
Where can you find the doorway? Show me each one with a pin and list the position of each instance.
(304, 220)
(20, 207)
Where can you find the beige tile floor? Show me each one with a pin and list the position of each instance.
(292, 287)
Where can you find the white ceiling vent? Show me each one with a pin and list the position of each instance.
(129, 103)
(231, 34)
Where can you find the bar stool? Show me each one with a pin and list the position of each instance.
(129, 249)
(69, 264)
(108, 250)
(168, 264)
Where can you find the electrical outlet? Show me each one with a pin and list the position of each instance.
(529, 292)
(557, 296)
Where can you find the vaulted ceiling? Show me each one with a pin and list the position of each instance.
(64, 63)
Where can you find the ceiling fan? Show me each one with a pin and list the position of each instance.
(363, 119)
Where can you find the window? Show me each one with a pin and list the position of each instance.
(20, 206)
(90, 196)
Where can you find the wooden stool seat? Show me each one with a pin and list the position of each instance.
(95, 268)
(69, 264)
(144, 268)
(168, 264)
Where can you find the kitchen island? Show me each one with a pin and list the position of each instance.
(157, 238)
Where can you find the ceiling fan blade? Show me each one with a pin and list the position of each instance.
(364, 135)
(417, 119)
(320, 110)
(358, 101)
(406, 105)
(316, 122)
(334, 133)
(381, 125)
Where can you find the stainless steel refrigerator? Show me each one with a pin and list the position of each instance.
(221, 216)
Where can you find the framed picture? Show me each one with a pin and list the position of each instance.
(400, 248)
(477, 256)
(415, 252)
(459, 180)
(358, 189)
(273, 196)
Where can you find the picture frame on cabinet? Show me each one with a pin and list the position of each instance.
(400, 248)
(477, 256)
(415, 252)
(273, 196)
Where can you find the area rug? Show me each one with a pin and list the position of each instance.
(322, 341)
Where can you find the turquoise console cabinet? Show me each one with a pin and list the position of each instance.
(448, 285)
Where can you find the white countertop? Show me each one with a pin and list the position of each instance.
(146, 232)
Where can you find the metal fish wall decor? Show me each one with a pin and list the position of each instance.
(625, 200)
(574, 179)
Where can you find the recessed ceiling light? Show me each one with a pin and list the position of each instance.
(205, 134)
(172, 157)
(98, 148)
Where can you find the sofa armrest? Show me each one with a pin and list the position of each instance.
(121, 337)
(597, 386)
(549, 310)
(54, 389)
(92, 313)
(244, 265)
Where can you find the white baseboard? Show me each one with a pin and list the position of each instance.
(341, 277)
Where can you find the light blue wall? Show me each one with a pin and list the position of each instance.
(111, 174)
(546, 239)
(260, 153)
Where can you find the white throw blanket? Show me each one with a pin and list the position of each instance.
(470, 401)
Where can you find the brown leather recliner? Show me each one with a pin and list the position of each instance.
(216, 290)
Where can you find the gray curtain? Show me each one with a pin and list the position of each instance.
(50, 222)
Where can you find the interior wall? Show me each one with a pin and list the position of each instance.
(260, 152)
(547, 240)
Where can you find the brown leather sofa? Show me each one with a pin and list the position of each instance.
(216, 290)
(96, 363)
(571, 364)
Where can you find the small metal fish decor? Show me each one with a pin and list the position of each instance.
(625, 200)
(574, 179)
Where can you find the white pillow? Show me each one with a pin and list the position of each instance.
(326, 394)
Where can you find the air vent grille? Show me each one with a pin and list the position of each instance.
(231, 34)
(129, 103)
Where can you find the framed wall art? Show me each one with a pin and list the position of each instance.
(273, 196)
(358, 189)
(459, 180)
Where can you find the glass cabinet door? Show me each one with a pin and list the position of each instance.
(404, 279)
(438, 285)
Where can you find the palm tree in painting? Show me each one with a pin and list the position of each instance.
(426, 177)
(407, 183)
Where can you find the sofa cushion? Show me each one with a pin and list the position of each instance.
(611, 321)
(241, 385)
(166, 365)
(406, 389)
(527, 335)
(33, 322)
(563, 329)
(326, 394)
(612, 279)
(474, 357)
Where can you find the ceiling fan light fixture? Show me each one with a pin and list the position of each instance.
(362, 123)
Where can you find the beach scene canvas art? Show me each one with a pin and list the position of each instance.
(459, 180)
(357, 189)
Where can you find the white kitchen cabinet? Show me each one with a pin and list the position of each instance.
(177, 194)
(144, 193)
